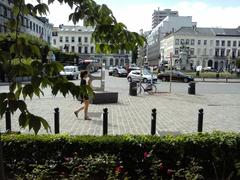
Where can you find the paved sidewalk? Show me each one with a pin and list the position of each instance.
(176, 113)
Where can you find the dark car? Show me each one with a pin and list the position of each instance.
(176, 76)
(119, 72)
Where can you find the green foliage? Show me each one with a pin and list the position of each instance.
(197, 156)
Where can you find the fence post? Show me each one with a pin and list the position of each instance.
(56, 120)
(153, 122)
(105, 121)
(200, 120)
(8, 120)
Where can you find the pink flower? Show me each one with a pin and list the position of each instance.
(67, 158)
(145, 155)
(118, 169)
(170, 172)
(161, 167)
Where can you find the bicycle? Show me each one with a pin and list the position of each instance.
(150, 88)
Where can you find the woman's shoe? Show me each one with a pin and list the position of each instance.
(87, 118)
(76, 114)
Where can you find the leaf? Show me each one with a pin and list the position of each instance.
(13, 87)
(45, 124)
(28, 91)
(3, 97)
(22, 105)
(34, 123)
(13, 105)
(23, 120)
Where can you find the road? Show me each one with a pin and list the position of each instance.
(176, 112)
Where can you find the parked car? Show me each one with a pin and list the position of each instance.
(176, 76)
(146, 76)
(110, 70)
(70, 72)
(119, 72)
(132, 67)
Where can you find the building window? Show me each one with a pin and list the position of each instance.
(216, 52)
(198, 51)
(79, 39)
(176, 41)
(31, 25)
(92, 49)
(182, 41)
(176, 51)
(222, 52)
(210, 52)
(54, 41)
(60, 39)
(73, 39)
(79, 49)
(234, 51)
(73, 49)
(199, 42)
(238, 43)
(191, 51)
(228, 52)
(85, 49)
(223, 43)
(111, 61)
(61, 48)
(205, 42)
(37, 28)
(234, 43)
(238, 52)
(229, 43)
(85, 39)
(217, 42)
(187, 41)
(66, 39)
(192, 42)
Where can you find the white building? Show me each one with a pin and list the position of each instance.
(78, 39)
(209, 47)
(168, 25)
(37, 26)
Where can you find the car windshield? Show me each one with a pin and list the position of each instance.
(68, 69)
(146, 72)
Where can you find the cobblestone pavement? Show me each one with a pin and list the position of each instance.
(176, 112)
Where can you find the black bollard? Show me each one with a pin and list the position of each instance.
(8, 120)
(200, 120)
(153, 122)
(56, 120)
(105, 121)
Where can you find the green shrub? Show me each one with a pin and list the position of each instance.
(197, 156)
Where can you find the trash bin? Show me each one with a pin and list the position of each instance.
(133, 89)
(191, 87)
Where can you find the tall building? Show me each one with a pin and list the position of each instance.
(36, 26)
(159, 15)
(78, 39)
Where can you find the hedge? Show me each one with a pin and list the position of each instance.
(194, 156)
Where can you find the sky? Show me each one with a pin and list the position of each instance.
(137, 14)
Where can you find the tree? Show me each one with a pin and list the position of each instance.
(109, 35)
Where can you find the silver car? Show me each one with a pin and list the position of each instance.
(136, 75)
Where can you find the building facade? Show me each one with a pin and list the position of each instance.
(78, 39)
(190, 47)
(159, 15)
(37, 26)
(168, 25)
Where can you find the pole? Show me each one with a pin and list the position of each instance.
(200, 120)
(8, 119)
(105, 121)
(170, 85)
(153, 122)
(56, 121)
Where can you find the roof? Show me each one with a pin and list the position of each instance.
(208, 31)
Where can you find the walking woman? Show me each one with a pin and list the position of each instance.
(84, 95)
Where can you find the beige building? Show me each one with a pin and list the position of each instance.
(217, 48)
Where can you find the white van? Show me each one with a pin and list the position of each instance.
(71, 72)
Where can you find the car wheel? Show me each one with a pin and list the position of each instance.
(110, 74)
(185, 80)
(129, 79)
(77, 76)
(164, 78)
(144, 80)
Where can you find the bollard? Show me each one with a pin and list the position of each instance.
(200, 120)
(56, 120)
(8, 120)
(153, 122)
(105, 121)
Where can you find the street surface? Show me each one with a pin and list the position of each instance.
(176, 112)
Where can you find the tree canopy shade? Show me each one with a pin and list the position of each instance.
(109, 36)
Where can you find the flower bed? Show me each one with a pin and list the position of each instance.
(199, 156)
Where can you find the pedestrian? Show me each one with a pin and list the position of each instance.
(84, 95)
